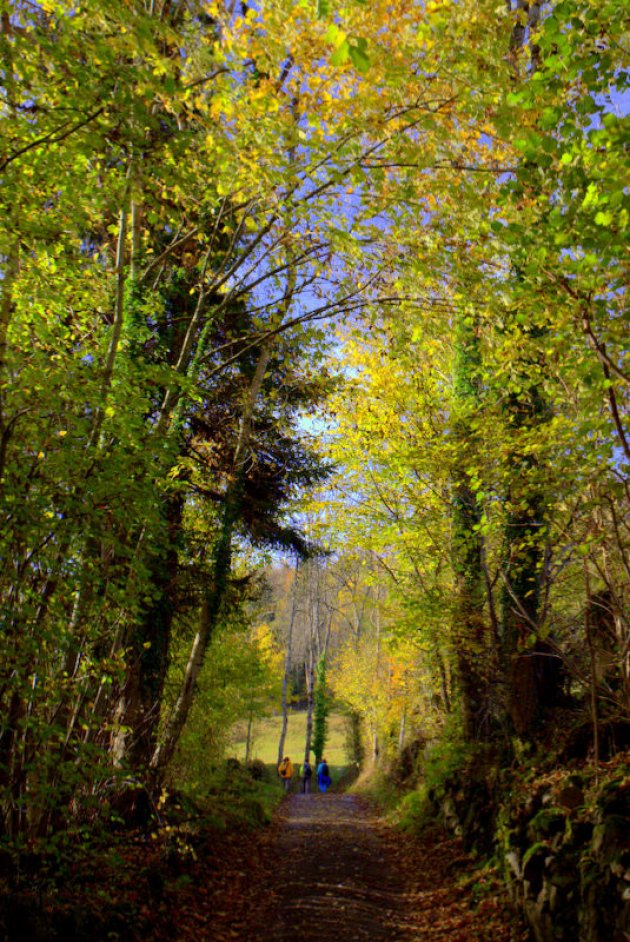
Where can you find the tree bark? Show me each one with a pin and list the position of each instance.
(527, 670)
(287, 668)
(215, 592)
(470, 630)
(148, 657)
(248, 740)
(309, 676)
(593, 663)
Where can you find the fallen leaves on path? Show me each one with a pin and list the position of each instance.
(329, 864)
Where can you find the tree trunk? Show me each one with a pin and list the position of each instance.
(215, 592)
(375, 743)
(355, 739)
(309, 674)
(588, 612)
(470, 634)
(12, 262)
(248, 740)
(529, 678)
(527, 669)
(287, 668)
(401, 732)
(147, 661)
(119, 320)
(320, 704)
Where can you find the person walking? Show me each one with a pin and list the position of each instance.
(285, 771)
(307, 774)
(323, 776)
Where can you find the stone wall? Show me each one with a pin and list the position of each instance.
(563, 840)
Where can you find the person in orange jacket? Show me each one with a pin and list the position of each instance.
(285, 771)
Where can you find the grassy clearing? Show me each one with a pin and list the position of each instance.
(266, 734)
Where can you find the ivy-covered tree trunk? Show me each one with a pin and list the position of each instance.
(530, 669)
(320, 711)
(221, 566)
(470, 629)
(147, 659)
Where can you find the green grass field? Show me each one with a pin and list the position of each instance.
(266, 734)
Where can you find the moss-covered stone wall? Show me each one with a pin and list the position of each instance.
(562, 839)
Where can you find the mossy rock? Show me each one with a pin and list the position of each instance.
(581, 833)
(590, 873)
(547, 823)
(611, 837)
(562, 873)
(534, 863)
(614, 799)
(570, 796)
(512, 839)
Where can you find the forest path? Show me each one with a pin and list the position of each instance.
(330, 867)
(334, 876)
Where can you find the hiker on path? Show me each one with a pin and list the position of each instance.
(285, 771)
(323, 776)
(307, 773)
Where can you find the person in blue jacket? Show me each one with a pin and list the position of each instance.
(323, 776)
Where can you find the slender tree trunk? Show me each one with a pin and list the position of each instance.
(119, 320)
(401, 732)
(588, 610)
(375, 743)
(444, 685)
(287, 667)
(309, 676)
(248, 740)
(355, 739)
(9, 275)
(215, 593)
(320, 705)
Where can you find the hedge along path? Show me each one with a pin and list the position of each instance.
(329, 867)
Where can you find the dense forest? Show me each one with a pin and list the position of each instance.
(314, 392)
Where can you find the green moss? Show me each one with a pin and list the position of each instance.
(610, 838)
(443, 762)
(533, 851)
(414, 812)
(547, 823)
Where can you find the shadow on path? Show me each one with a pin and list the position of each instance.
(333, 876)
(330, 868)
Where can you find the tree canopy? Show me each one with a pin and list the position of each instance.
(341, 282)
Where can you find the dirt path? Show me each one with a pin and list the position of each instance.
(334, 875)
(329, 867)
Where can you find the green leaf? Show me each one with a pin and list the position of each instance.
(603, 218)
(359, 56)
(334, 35)
(341, 53)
